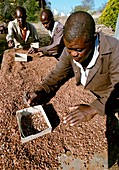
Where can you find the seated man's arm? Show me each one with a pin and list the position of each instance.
(57, 45)
(10, 35)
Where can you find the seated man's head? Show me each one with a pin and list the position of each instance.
(47, 19)
(79, 35)
(21, 16)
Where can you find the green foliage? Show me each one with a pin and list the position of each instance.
(7, 9)
(86, 5)
(78, 8)
(110, 14)
(32, 10)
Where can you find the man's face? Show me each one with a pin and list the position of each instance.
(21, 18)
(79, 48)
(48, 23)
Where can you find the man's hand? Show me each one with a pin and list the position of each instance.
(32, 50)
(11, 43)
(36, 97)
(39, 54)
(80, 113)
(35, 51)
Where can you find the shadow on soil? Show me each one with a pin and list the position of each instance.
(113, 140)
(52, 115)
(112, 125)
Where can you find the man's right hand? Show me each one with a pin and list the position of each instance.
(11, 44)
(36, 97)
(32, 50)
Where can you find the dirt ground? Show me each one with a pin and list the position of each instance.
(89, 146)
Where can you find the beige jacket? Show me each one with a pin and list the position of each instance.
(56, 45)
(14, 33)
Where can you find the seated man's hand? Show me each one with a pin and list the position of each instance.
(39, 54)
(36, 97)
(11, 43)
(80, 113)
(32, 50)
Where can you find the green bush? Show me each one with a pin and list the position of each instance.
(110, 14)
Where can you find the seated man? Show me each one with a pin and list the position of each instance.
(55, 31)
(21, 33)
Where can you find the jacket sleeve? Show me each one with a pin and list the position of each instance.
(33, 32)
(61, 73)
(35, 35)
(10, 34)
(57, 44)
(113, 71)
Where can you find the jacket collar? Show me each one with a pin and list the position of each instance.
(27, 31)
(104, 47)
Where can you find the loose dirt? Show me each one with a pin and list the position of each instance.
(82, 147)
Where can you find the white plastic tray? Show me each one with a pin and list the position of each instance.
(28, 111)
(20, 57)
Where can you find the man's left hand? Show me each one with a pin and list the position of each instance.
(32, 50)
(80, 113)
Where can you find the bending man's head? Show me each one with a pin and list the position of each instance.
(47, 19)
(79, 24)
(79, 35)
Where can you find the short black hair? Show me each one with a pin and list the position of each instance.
(48, 12)
(79, 24)
(21, 9)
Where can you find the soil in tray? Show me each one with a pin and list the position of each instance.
(33, 123)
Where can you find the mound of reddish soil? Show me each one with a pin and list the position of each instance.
(66, 148)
